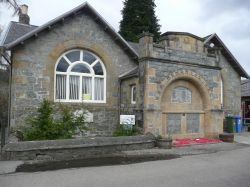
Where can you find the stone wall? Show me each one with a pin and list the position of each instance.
(75, 149)
(34, 66)
(231, 88)
(181, 60)
(183, 42)
(127, 108)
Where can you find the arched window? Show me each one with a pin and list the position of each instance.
(181, 95)
(80, 76)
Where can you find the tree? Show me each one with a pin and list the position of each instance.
(12, 4)
(138, 17)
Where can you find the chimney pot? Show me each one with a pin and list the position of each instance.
(24, 9)
(23, 14)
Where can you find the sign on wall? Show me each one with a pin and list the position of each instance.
(127, 119)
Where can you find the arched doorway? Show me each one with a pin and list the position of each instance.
(184, 103)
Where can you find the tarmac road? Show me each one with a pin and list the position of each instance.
(223, 168)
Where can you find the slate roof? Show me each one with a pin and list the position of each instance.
(229, 56)
(87, 8)
(131, 73)
(15, 30)
(245, 88)
(135, 46)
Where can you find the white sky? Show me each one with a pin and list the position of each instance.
(230, 19)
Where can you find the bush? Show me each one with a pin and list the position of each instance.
(122, 130)
(45, 127)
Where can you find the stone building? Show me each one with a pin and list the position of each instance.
(245, 98)
(182, 85)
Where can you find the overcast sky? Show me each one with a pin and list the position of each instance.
(230, 19)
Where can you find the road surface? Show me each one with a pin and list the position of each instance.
(226, 168)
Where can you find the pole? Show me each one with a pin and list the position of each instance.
(2, 133)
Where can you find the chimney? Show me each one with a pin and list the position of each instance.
(23, 15)
(146, 44)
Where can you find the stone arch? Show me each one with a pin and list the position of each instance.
(191, 77)
(190, 118)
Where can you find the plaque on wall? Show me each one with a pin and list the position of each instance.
(127, 119)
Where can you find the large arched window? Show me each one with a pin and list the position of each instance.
(80, 76)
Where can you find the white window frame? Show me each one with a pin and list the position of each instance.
(133, 88)
(92, 74)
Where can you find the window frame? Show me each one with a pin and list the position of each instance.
(133, 100)
(92, 74)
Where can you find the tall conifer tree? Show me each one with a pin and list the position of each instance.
(138, 16)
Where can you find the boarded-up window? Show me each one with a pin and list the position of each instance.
(181, 95)
(174, 123)
(193, 123)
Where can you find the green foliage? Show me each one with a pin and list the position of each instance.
(12, 4)
(158, 137)
(45, 127)
(123, 131)
(138, 17)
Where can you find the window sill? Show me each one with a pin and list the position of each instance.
(88, 102)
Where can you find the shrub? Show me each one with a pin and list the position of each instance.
(45, 127)
(123, 130)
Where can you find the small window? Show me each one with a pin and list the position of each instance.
(73, 56)
(87, 57)
(98, 69)
(80, 68)
(62, 66)
(133, 94)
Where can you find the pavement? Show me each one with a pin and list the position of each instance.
(242, 140)
(220, 169)
(7, 167)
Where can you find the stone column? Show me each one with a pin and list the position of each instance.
(145, 44)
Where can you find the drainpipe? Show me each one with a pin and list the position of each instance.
(119, 100)
(9, 105)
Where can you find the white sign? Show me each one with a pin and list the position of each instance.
(89, 117)
(127, 119)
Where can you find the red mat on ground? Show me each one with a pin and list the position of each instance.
(190, 141)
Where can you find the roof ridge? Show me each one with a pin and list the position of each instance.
(68, 13)
(238, 67)
(24, 24)
(180, 32)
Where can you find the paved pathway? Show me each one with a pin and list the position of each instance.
(243, 138)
